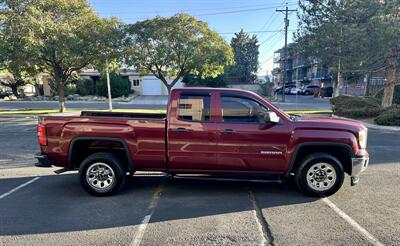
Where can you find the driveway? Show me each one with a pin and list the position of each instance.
(150, 100)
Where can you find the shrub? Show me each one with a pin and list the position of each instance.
(390, 117)
(356, 107)
(193, 80)
(120, 86)
(70, 89)
(396, 95)
(85, 87)
(266, 89)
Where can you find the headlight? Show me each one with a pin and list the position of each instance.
(362, 139)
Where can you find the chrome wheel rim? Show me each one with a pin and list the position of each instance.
(100, 176)
(321, 176)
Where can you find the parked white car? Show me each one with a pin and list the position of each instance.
(295, 91)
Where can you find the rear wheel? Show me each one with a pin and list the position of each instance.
(101, 174)
(320, 174)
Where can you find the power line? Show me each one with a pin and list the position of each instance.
(219, 13)
(265, 31)
(190, 10)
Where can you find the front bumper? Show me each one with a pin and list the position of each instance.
(359, 164)
(43, 161)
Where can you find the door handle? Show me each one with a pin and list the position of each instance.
(228, 131)
(180, 129)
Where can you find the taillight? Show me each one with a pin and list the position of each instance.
(41, 129)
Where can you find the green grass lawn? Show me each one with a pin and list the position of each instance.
(149, 111)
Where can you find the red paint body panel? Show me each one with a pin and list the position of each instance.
(154, 144)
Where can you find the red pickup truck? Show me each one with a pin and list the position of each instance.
(206, 131)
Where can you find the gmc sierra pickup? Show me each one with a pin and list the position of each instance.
(206, 131)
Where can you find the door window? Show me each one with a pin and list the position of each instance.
(241, 110)
(194, 108)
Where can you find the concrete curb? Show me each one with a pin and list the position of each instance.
(372, 126)
(30, 116)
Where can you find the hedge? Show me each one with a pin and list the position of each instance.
(356, 107)
(120, 86)
(389, 117)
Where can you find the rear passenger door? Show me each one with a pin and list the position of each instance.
(191, 132)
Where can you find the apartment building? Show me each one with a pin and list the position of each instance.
(299, 70)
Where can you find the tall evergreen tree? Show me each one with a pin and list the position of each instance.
(245, 50)
(352, 36)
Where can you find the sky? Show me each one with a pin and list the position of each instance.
(258, 17)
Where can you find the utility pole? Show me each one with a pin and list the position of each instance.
(286, 11)
(108, 87)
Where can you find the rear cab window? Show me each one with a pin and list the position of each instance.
(192, 107)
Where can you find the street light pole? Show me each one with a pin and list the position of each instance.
(108, 87)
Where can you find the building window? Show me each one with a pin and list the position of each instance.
(136, 82)
(194, 107)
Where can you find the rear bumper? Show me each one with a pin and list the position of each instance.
(43, 161)
(359, 164)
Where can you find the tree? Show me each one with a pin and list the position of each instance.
(61, 36)
(14, 57)
(326, 33)
(353, 37)
(390, 29)
(175, 47)
(245, 50)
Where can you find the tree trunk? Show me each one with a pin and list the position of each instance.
(337, 82)
(169, 88)
(14, 89)
(390, 81)
(61, 99)
(367, 84)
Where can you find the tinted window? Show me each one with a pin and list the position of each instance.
(238, 109)
(194, 107)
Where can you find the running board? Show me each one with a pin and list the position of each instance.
(277, 181)
(62, 170)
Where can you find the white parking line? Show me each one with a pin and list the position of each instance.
(18, 187)
(137, 239)
(353, 223)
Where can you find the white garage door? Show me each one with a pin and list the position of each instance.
(151, 86)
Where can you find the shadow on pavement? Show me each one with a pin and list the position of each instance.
(59, 204)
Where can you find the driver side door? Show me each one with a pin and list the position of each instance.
(245, 142)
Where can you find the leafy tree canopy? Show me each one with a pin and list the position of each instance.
(176, 46)
(60, 36)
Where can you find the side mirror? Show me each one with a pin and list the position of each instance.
(271, 117)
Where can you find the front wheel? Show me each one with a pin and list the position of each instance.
(101, 174)
(320, 175)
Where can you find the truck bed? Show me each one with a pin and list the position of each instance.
(143, 135)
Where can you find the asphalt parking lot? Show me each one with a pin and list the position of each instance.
(38, 207)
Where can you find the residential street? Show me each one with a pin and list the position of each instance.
(158, 102)
(52, 209)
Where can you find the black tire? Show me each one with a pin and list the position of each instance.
(107, 163)
(325, 180)
(307, 93)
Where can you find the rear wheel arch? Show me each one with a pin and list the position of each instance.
(80, 148)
